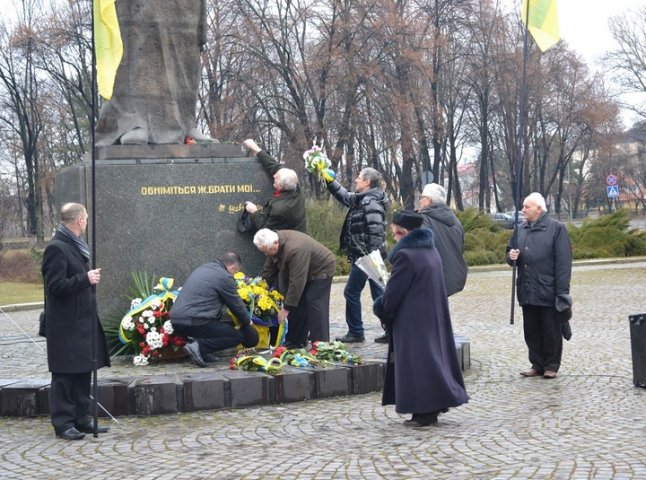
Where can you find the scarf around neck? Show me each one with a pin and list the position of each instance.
(80, 243)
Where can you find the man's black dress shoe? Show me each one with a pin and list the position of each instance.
(211, 358)
(193, 351)
(383, 339)
(89, 428)
(349, 338)
(70, 434)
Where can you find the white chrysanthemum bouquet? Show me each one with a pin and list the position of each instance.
(316, 162)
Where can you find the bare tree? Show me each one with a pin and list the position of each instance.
(20, 110)
(628, 60)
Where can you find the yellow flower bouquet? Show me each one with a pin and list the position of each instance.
(264, 303)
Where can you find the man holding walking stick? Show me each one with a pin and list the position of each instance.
(544, 260)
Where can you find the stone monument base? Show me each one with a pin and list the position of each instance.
(164, 210)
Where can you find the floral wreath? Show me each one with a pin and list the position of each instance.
(147, 327)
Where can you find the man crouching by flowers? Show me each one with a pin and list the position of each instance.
(198, 308)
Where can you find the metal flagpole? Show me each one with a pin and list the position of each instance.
(95, 382)
(519, 161)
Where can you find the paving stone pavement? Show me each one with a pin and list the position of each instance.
(588, 423)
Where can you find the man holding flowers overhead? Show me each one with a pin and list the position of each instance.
(198, 308)
(363, 231)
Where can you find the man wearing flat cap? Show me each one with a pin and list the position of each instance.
(423, 376)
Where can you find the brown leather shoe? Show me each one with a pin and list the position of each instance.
(549, 374)
(531, 373)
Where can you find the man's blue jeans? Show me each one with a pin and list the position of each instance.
(352, 293)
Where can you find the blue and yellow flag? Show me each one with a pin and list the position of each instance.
(107, 45)
(542, 22)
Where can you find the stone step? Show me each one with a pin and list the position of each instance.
(212, 390)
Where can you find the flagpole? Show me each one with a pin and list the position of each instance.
(95, 382)
(519, 160)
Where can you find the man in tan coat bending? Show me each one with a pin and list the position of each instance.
(303, 269)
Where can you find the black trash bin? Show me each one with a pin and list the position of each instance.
(638, 347)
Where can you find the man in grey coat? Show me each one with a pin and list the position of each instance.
(74, 333)
(197, 311)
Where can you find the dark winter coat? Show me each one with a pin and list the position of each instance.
(207, 290)
(71, 310)
(545, 262)
(299, 260)
(286, 209)
(449, 241)
(422, 372)
(364, 228)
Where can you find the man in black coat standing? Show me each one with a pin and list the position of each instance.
(197, 311)
(363, 231)
(448, 234)
(543, 254)
(72, 318)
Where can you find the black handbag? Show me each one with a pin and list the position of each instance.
(42, 324)
(42, 319)
(244, 222)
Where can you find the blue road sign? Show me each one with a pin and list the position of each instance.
(611, 180)
(613, 191)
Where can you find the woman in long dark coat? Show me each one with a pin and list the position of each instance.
(71, 319)
(423, 376)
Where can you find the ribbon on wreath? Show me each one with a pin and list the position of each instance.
(263, 332)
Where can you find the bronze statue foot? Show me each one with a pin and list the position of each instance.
(199, 137)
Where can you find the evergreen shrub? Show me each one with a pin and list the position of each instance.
(485, 241)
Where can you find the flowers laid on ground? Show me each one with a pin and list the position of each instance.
(316, 162)
(321, 354)
(264, 303)
(256, 363)
(334, 352)
(147, 327)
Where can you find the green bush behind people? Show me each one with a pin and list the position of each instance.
(485, 240)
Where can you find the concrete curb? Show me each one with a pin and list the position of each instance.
(22, 307)
(174, 393)
(211, 390)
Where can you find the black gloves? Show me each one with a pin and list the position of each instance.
(386, 319)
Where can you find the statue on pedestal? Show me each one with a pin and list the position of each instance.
(155, 89)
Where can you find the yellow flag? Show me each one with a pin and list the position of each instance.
(107, 45)
(543, 22)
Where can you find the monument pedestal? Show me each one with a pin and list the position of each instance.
(164, 210)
